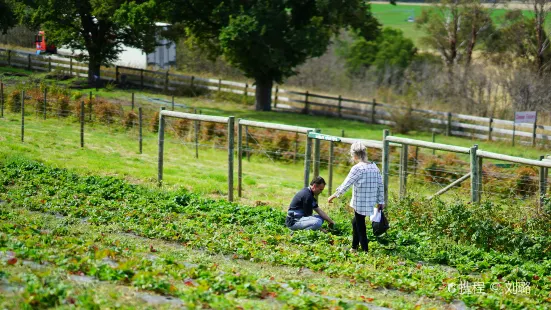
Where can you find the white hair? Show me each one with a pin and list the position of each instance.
(358, 150)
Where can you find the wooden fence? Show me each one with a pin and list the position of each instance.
(450, 124)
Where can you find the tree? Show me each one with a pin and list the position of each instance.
(521, 41)
(7, 16)
(268, 39)
(390, 48)
(98, 27)
(454, 27)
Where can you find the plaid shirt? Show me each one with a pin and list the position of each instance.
(368, 188)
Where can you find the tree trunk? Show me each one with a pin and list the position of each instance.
(94, 72)
(263, 94)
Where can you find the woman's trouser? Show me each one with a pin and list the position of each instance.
(359, 233)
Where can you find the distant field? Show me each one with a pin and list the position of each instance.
(396, 16)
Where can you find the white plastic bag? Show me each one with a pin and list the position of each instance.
(376, 216)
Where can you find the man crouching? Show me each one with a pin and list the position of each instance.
(299, 215)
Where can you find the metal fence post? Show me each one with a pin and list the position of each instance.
(196, 129)
(71, 67)
(172, 102)
(45, 101)
(161, 147)
(140, 120)
(247, 143)
(307, 155)
(132, 101)
(331, 145)
(474, 173)
(534, 130)
(543, 183)
(82, 124)
(239, 158)
(1, 99)
(23, 116)
(433, 141)
(403, 171)
(231, 133)
(317, 155)
(385, 164)
(479, 184)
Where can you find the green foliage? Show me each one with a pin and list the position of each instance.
(476, 242)
(267, 40)
(390, 48)
(7, 16)
(107, 25)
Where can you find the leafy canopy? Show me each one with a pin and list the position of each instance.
(267, 39)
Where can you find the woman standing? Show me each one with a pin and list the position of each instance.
(368, 191)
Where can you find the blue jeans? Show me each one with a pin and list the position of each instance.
(313, 222)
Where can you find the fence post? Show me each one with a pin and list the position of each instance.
(196, 135)
(132, 101)
(449, 125)
(246, 91)
(219, 85)
(474, 173)
(416, 161)
(1, 99)
(172, 102)
(490, 129)
(239, 158)
(141, 78)
(23, 116)
(29, 66)
(192, 82)
(161, 147)
(342, 133)
(373, 105)
(317, 155)
(479, 184)
(330, 166)
(45, 101)
(71, 67)
(82, 124)
(231, 133)
(340, 109)
(403, 170)
(275, 97)
(306, 105)
(534, 130)
(90, 112)
(117, 74)
(247, 143)
(140, 120)
(514, 130)
(433, 140)
(296, 148)
(385, 164)
(166, 81)
(50, 64)
(543, 183)
(307, 155)
(9, 58)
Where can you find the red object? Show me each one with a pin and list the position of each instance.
(42, 46)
